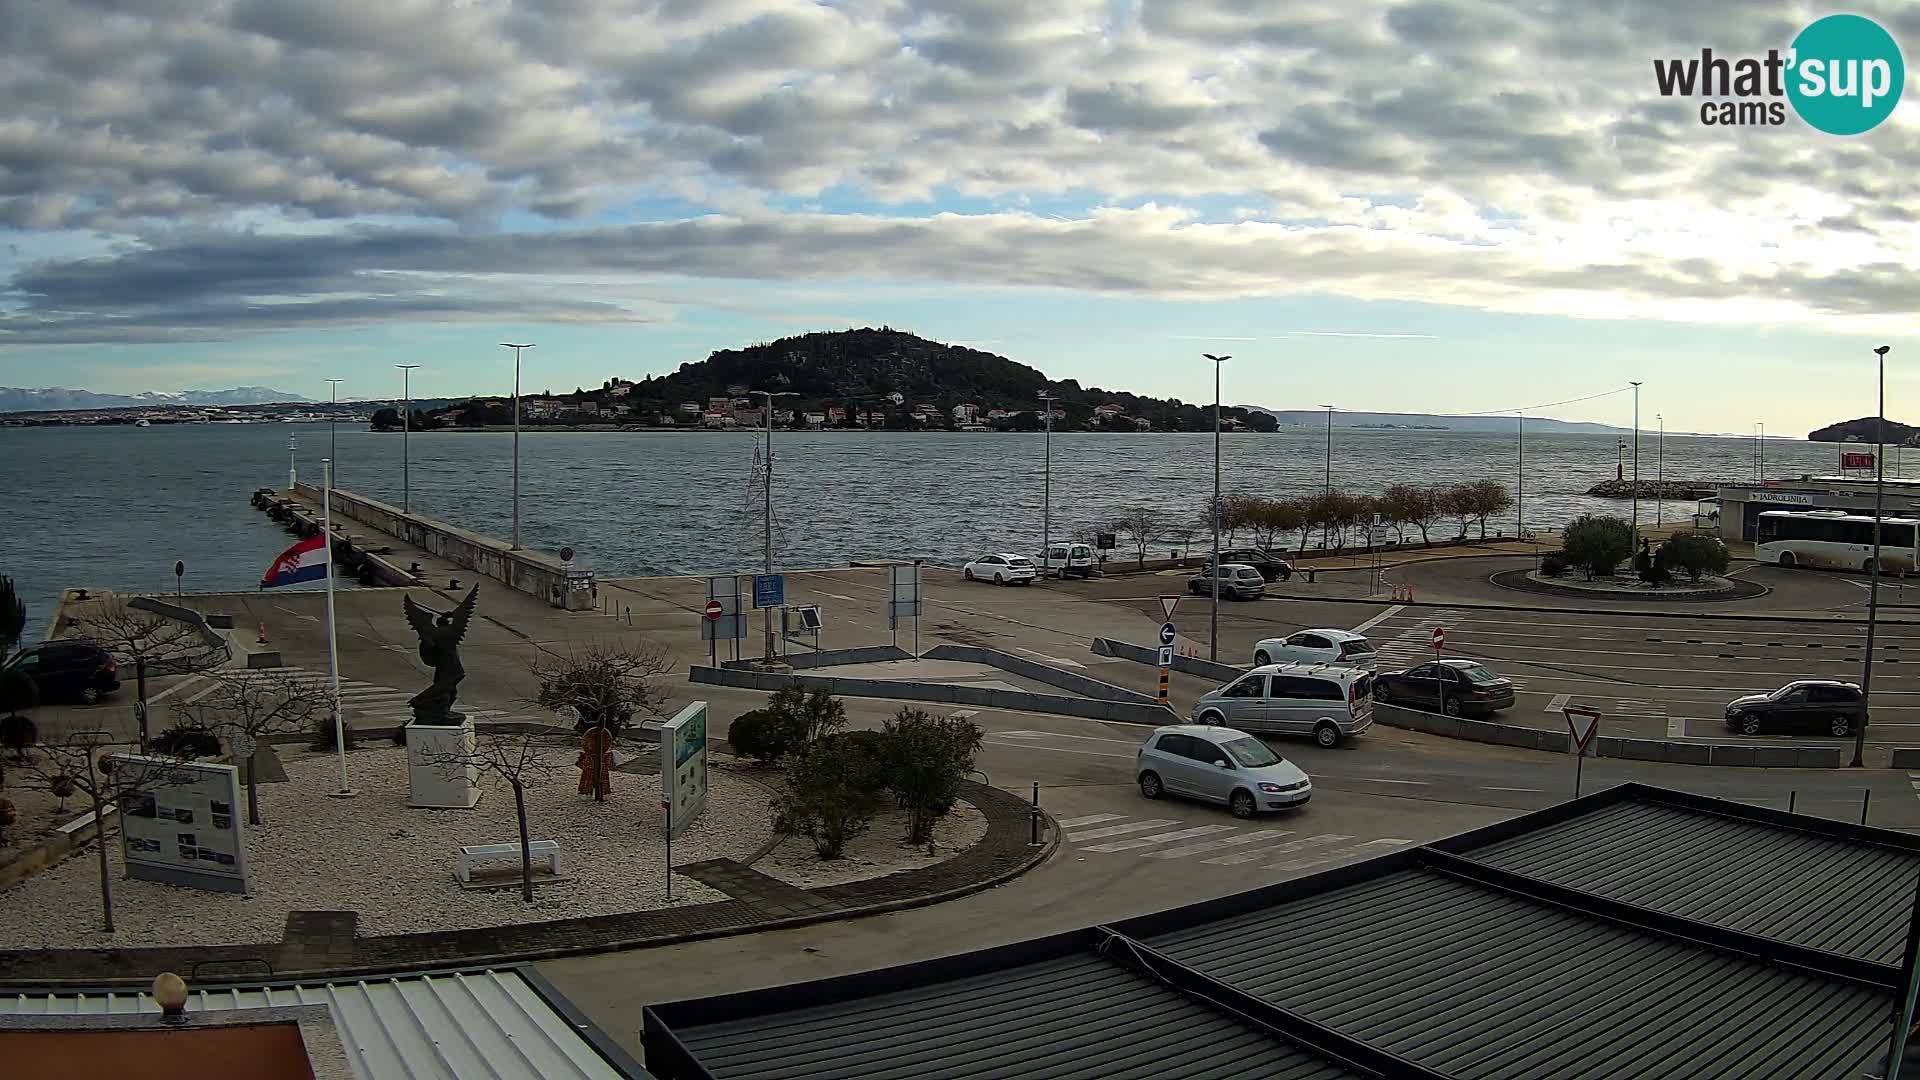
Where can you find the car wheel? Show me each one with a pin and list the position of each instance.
(90, 695)
(1194, 588)
(1749, 724)
(1451, 707)
(1326, 734)
(1242, 804)
(1211, 719)
(1150, 785)
(1786, 559)
(1841, 726)
(1382, 692)
(1261, 659)
(998, 579)
(969, 573)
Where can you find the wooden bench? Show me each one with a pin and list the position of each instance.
(548, 850)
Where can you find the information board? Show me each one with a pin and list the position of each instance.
(683, 767)
(191, 829)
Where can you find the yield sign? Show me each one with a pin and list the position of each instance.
(1167, 604)
(1439, 638)
(1583, 723)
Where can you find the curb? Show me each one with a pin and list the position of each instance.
(1614, 746)
(976, 793)
(1736, 589)
(1472, 605)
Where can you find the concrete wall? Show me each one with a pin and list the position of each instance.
(1610, 746)
(869, 654)
(1038, 672)
(528, 571)
(939, 693)
(1192, 665)
(213, 655)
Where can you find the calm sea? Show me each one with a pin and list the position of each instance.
(116, 506)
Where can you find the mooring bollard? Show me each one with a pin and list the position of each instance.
(1033, 817)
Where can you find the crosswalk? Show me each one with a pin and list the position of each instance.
(1219, 844)
(378, 706)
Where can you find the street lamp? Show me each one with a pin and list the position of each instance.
(516, 438)
(1213, 630)
(406, 423)
(1046, 498)
(333, 445)
(1636, 467)
(1873, 569)
(768, 508)
(1760, 449)
(1660, 474)
(1324, 530)
(1520, 493)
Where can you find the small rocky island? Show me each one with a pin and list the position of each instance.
(1861, 431)
(1652, 489)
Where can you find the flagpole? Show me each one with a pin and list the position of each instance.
(333, 651)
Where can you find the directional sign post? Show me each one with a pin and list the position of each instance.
(1167, 636)
(1583, 724)
(1439, 643)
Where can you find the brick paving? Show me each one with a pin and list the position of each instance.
(321, 944)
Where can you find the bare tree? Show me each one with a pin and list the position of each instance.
(247, 706)
(149, 641)
(76, 763)
(609, 684)
(1141, 525)
(1420, 507)
(1486, 498)
(518, 757)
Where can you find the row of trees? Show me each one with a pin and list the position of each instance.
(1333, 515)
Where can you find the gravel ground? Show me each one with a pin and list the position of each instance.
(36, 811)
(394, 864)
(877, 852)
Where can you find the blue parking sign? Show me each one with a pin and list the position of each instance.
(769, 590)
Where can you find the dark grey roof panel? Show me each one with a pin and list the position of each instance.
(1078, 1017)
(1486, 985)
(1828, 893)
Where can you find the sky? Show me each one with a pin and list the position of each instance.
(1433, 206)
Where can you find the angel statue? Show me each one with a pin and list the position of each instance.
(440, 634)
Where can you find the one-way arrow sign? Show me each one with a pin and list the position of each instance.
(1167, 633)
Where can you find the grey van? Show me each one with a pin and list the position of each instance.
(1327, 702)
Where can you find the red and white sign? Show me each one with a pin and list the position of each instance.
(1583, 724)
(713, 610)
(1439, 639)
(1856, 461)
(1167, 604)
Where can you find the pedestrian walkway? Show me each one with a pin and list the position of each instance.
(378, 706)
(1219, 844)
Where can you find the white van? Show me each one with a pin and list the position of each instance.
(1325, 701)
(1068, 560)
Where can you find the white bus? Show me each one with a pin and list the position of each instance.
(1833, 539)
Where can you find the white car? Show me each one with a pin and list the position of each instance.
(1002, 569)
(1340, 647)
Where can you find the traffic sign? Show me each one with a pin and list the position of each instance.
(1439, 639)
(1166, 656)
(179, 569)
(1583, 722)
(769, 590)
(566, 554)
(713, 610)
(1167, 634)
(1167, 604)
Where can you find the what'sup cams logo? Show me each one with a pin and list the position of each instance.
(1843, 75)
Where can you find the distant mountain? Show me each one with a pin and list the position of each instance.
(1861, 430)
(1435, 421)
(53, 399)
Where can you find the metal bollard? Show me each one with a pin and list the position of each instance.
(1791, 795)
(1866, 796)
(1033, 817)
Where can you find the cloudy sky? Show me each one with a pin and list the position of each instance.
(1437, 205)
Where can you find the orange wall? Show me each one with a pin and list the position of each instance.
(265, 1051)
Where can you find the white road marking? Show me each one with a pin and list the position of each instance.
(1090, 819)
(1295, 845)
(1529, 790)
(1061, 660)
(1357, 849)
(1056, 749)
(1161, 838)
(1121, 830)
(1384, 780)
(1063, 735)
(838, 596)
(1559, 703)
(1676, 727)
(1223, 842)
(1378, 619)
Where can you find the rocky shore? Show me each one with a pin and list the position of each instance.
(1652, 489)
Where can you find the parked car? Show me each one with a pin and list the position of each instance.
(1317, 647)
(68, 670)
(1069, 560)
(1220, 765)
(1272, 567)
(1471, 688)
(1808, 706)
(1237, 582)
(1326, 701)
(1002, 569)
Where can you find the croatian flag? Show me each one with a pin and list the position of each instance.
(304, 561)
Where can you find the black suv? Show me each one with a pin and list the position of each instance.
(1808, 707)
(68, 670)
(1271, 566)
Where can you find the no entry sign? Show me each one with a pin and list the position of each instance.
(713, 610)
(1439, 639)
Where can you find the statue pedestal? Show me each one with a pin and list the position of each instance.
(441, 786)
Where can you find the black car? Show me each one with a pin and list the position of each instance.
(1470, 688)
(1807, 707)
(1271, 566)
(68, 670)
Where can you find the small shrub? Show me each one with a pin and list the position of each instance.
(1554, 565)
(1598, 544)
(830, 797)
(927, 757)
(806, 717)
(755, 734)
(17, 733)
(323, 732)
(189, 741)
(1695, 553)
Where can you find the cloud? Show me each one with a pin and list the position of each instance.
(259, 165)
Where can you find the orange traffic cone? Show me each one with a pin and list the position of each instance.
(262, 639)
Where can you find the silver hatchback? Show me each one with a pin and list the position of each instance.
(1219, 765)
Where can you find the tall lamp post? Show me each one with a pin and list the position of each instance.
(1325, 531)
(767, 508)
(1660, 474)
(1520, 493)
(1213, 627)
(516, 438)
(333, 443)
(1873, 586)
(1046, 496)
(1636, 468)
(1760, 447)
(406, 424)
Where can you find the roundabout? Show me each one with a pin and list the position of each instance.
(1617, 588)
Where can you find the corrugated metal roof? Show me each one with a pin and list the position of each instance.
(1478, 982)
(460, 1026)
(1077, 1017)
(1837, 895)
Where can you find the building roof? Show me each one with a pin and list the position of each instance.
(1636, 932)
(474, 1025)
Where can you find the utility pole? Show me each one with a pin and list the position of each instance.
(1873, 568)
(1046, 497)
(406, 425)
(1213, 630)
(1660, 474)
(333, 442)
(1636, 468)
(1760, 446)
(1325, 530)
(767, 510)
(516, 438)
(1520, 493)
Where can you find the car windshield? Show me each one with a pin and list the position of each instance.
(1250, 753)
(1479, 674)
(1019, 562)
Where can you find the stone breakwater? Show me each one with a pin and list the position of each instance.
(1652, 489)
